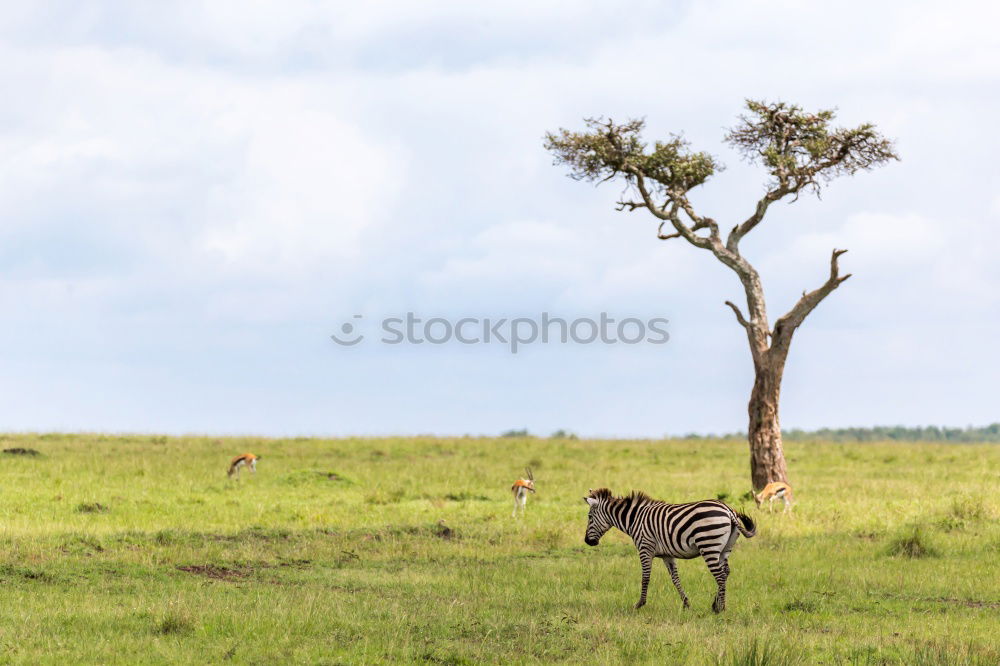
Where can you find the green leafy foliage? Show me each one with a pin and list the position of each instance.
(607, 149)
(795, 146)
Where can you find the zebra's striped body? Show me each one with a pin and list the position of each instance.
(671, 531)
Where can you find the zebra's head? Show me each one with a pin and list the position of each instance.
(598, 520)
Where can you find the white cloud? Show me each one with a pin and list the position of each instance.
(217, 172)
(905, 265)
(178, 172)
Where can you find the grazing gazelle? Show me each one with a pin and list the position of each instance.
(520, 489)
(245, 460)
(669, 532)
(773, 491)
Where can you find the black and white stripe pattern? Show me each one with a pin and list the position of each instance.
(671, 531)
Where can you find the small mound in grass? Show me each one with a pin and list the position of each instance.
(215, 572)
(911, 544)
(92, 507)
(312, 476)
(174, 624)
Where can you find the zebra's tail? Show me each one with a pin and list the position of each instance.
(745, 524)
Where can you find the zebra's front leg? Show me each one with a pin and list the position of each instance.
(646, 559)
(675, 577)
(719, 568)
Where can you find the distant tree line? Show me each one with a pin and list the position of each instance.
(990, 433)
(523, 432)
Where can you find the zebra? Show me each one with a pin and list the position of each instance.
(670, 531)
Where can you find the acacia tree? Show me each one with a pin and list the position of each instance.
(800, 151)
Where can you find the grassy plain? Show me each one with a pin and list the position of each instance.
(133, 549)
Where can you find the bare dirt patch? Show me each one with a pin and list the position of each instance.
(216, 572)
(21, 451)
(969, 603)
(8, 571)
(92, 507)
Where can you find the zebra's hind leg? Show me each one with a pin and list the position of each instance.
(719, 568)
(647, 565)
(675, 577)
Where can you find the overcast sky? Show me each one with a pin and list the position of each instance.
(195, 196)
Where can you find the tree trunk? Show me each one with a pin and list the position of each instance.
(767, 458)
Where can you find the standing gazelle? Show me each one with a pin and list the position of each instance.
(520, 489)
(245, 460)
(772, 491)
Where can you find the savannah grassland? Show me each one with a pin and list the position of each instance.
(125, 549)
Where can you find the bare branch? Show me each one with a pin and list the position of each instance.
(650, 204)
(631, 205)
(686, 232)
(741, 230)
(662, 236)
(700, 222)
(739, 315)
(786, 325)
(834, 268)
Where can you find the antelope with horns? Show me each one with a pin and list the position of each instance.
(239, 462)
(772, 491)
(521, 488)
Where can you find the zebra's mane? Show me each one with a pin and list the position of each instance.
(637, 496)
(632, 497)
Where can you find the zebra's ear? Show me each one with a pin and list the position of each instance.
(590, 500)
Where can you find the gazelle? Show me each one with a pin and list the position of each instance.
(520, 489)
(239, 462)
(773, 491)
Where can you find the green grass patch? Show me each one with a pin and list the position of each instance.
(912, 543)
(121, 549)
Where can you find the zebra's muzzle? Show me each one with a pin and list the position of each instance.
(591, 542)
